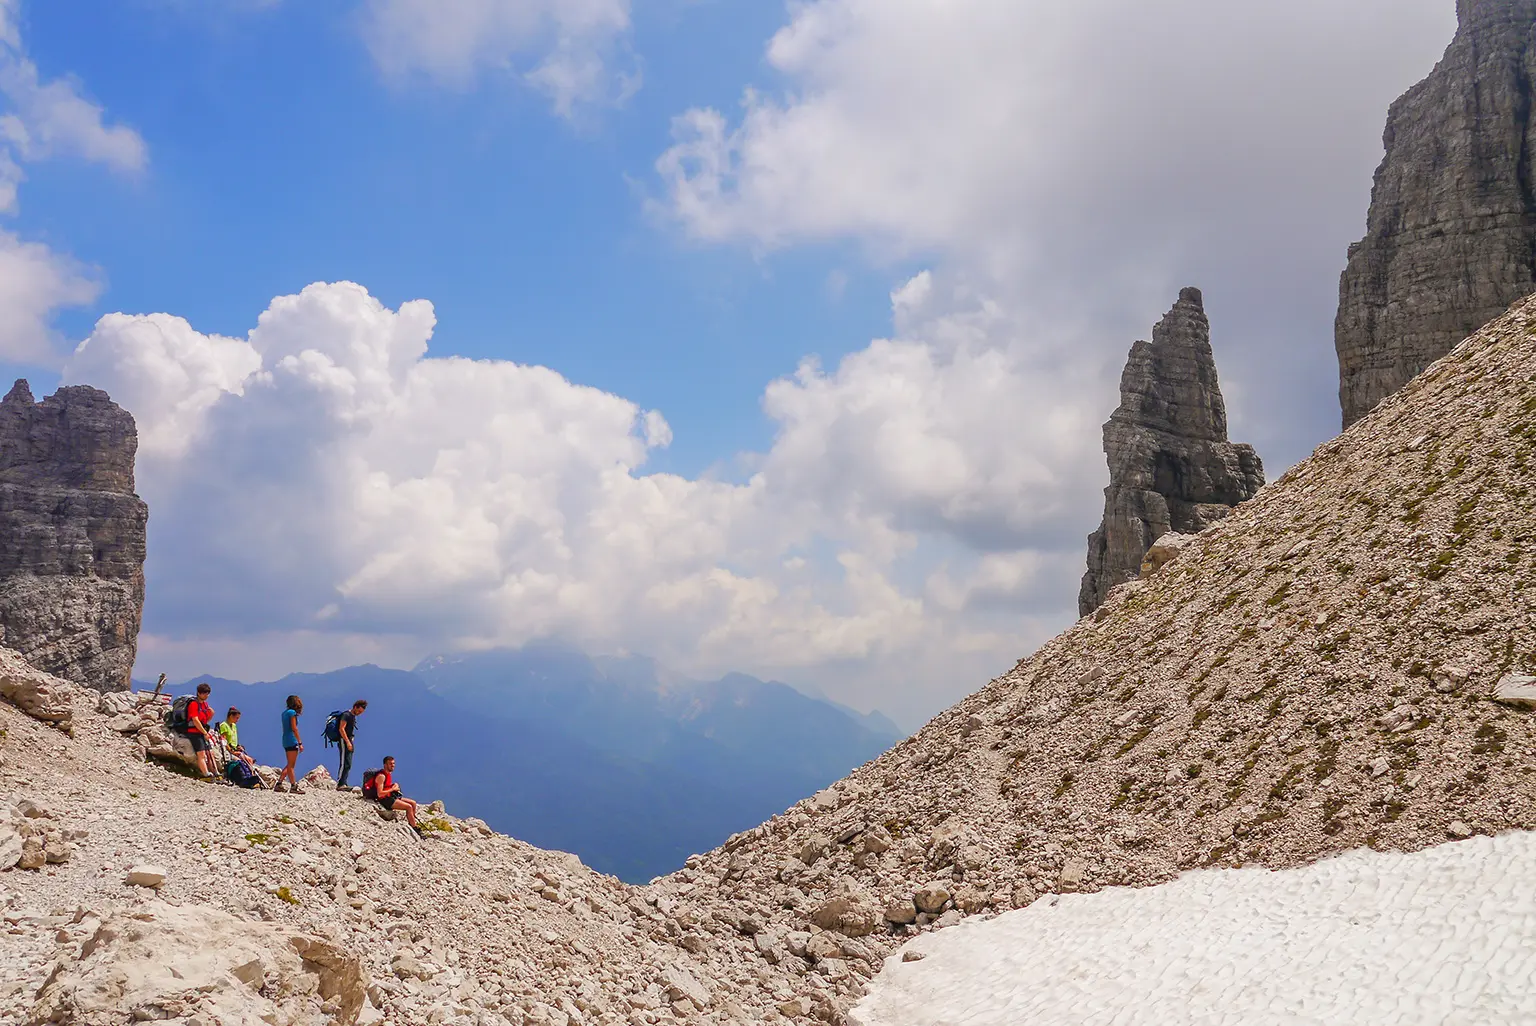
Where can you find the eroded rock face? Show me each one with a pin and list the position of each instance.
(1450, 239)
(1171, 467)
(72, 534)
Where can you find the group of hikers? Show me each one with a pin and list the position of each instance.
(221, 757)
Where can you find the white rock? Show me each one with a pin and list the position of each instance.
(146, 876)
(1516, 689)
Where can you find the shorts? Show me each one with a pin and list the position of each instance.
(389, 803)
(199, 743)
(290, 748)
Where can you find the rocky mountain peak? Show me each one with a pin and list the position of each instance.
(1450, 238)
(72, 534)
(1171, 467)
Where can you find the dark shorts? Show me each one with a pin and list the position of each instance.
(389, 803)
(290, 748)
(199, 743)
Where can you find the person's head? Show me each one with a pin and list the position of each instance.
(359, 707)
(233, 715)
(389, 764)
(296, 703)
(204, 690)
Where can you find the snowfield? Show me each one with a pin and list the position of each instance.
(1443, 936)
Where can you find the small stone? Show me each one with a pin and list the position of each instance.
(901, 912)
(912, 956)
(145, 876)
(1458, 830)
(1381, 767)
(1072, 874)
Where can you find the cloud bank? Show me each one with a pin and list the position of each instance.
(326, 478)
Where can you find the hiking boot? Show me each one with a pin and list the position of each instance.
(295, 789)
(277, 788)
(343, 787)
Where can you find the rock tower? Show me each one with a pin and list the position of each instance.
(1450, 239)
(1171, 467)
(72, 534)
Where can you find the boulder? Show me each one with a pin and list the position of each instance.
(320, 777)
(195, 961)
(159, 743)
(39, 695)
(146, 876)
(931, 899)
(847, 915)
(1164, 551)
(1516, 689)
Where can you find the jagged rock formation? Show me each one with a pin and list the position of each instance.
(1171, 467)
(72, 534)
(1341, 663)
(1450, 239)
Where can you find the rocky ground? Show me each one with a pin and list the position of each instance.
(1313, 675)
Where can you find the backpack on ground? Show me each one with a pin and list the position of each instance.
(333, 727)
(371, 783)
(175, 718)
(241, 775)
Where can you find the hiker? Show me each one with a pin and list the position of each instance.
(340, 730)
(381, 787)
(229, 730)
(199, 729)
(292, 745)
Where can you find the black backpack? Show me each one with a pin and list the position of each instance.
(368, 779)
(175, 717)
(241, 775)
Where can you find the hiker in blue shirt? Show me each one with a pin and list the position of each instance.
(292, 745)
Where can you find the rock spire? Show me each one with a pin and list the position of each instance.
(72, 534)
(1171, 467)
(1450, 239)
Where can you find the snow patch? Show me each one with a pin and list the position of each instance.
(1443, 936)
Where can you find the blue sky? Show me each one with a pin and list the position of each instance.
(795, 324)
(279, 157)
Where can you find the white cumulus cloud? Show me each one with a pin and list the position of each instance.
(1079, 163)
(328, 487)
(575, 51)
(41, 120)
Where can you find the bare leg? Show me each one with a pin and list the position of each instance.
(410, 809)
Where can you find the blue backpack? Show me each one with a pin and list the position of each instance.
(241, 775)
(333, 728)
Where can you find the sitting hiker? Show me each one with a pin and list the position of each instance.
(380, 786)
(200, 730)
(229, 730)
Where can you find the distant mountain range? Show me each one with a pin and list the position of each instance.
(610, 758)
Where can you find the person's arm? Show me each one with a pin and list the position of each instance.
(341, 728)
(296, 738)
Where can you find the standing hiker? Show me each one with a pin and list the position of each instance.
(199, 718)
(341, 730)
(292, 745)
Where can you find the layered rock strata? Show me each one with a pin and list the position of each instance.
(1450, 239)
(1171, 467)
(72, 534)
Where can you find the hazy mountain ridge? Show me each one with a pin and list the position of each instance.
(609, 758)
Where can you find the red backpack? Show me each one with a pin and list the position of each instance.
(370, 783)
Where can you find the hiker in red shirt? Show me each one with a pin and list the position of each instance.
(380, 786)
(199, 717)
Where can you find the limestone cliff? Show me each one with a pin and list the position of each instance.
(1450, 239)
(72, 534)
(1171, 467)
